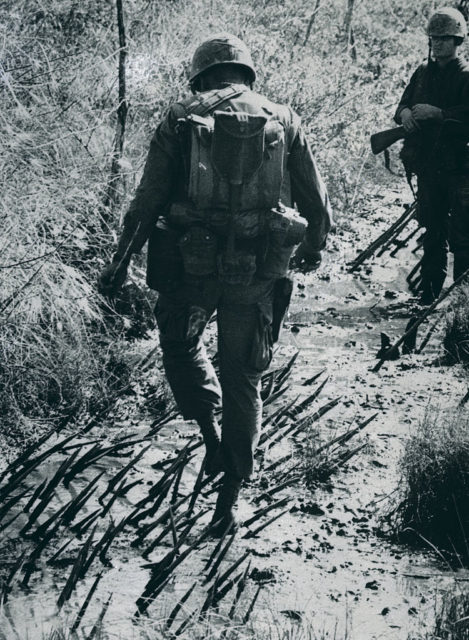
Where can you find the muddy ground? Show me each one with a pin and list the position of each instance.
(326, 561)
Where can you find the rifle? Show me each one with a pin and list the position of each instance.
(384, 139)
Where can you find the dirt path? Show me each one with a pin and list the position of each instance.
(323, 562)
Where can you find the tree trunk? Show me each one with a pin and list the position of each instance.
(311, 21)
(112, 194)
(348, 29)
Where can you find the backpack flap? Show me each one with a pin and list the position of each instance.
(238, 145)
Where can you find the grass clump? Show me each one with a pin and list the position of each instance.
(435, 484)
(456, 338)
(451, 619)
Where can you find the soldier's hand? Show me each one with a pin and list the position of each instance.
(112, 278)
(408, 120)
(426, 112)
(306, 260)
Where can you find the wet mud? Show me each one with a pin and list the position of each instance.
(322, 557)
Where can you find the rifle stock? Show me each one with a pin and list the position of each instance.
(384, 139)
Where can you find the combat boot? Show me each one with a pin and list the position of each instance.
(225, 517)
(211, 435)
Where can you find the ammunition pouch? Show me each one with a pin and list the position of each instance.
(164, 261)
(199, 247)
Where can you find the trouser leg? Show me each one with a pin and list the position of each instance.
(433, 211)
(245, 350)
(459, 224)
(190, 374)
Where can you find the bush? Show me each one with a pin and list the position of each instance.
(435, 484)
(456, 338)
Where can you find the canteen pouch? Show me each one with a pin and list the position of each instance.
(286, 229)
(198, 248)
(164, 260)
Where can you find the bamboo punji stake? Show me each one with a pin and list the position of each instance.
(278, 414)
(220, 555)
(346, 436)
(262, 512)
(14, 500)
(83, 525)
(27, 453)
(75, 572)
(307, 401)
(99, 622)
(6, 588)
(249, 611)
(408, 214)
(233, 567)
(45, 497)
(309, 381)
(252, 534)
(420, 320)
(86, 603)
(287, 370)
(123, 472)
(178, 607)
(78, 503)
(239, 591)
(164, 570)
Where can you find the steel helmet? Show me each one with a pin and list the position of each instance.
(447, 22)
(222, 48)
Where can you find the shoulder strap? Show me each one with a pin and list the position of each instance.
(201, 105)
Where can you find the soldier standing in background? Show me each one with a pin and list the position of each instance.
(222, 166)
(436, 96)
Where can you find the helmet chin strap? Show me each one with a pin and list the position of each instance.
(429, 50)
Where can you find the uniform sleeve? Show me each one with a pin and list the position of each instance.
(460, 111)
(407, 99)
(155, 190)
(309, 191)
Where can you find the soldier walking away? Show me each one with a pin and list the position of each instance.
(435, 100)
(223, 169)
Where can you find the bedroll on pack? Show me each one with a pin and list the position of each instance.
(236, 149)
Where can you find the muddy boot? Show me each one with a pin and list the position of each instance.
(211, 434)
(224, 517)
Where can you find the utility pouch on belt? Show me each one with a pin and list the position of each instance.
(236, 268)
(198, 248)
(164, 261)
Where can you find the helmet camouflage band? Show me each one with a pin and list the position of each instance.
(447, 22)
(223, 48)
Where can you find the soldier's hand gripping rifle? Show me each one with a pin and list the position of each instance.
(449, 129)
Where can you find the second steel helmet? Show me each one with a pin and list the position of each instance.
(447, 22)
(222, 48)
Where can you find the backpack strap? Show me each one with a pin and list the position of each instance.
(201, 105)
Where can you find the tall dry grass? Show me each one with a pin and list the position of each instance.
(456, 336)
(435, 485)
